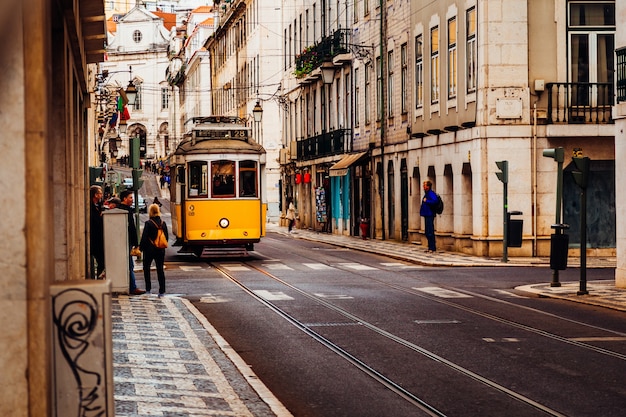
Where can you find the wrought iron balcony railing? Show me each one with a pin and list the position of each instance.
(580, 103)
(330, 143)
(313, 55)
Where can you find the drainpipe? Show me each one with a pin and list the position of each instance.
(383, 48)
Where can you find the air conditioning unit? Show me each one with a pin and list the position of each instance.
(82, 342)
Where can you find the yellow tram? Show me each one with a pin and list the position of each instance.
(217, 187)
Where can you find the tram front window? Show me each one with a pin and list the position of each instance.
(198, 174)
(247, 179)
(223, 178)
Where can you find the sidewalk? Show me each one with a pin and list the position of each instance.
(168, 360)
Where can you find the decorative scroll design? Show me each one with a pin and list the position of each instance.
(75, 318)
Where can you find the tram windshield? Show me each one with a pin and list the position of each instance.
(223, 178)
(247, 179)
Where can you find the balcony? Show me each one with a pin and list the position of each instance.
(313, 55)
(579, 103)
(331, 143)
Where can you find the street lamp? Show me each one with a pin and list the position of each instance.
(123, 126)
(257, 112)
(328, 71)
(131, 93)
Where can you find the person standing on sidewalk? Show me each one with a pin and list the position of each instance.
(96, 228)
(291, 213)
(126, 197)
(427, 211)
(150, 251)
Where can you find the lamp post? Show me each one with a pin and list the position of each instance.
(257, 112)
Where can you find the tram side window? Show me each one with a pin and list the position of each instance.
(198, 175)
(248, 179)
(223, 178)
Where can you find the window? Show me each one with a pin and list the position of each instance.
(452, 58)
(592, 44)
(470, 53)
(368, 92)
(248, 186)
(165, 99)
(198, 174)
(403, 78)
(138, 98)
(222, 178)
(419, 71)
(357, 97)
(137, 36)
(434, 65)
(390, 84)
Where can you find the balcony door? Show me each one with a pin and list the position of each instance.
(591, 47)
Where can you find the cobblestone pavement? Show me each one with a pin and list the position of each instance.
(169, 361)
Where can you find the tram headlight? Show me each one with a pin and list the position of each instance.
(224, 222)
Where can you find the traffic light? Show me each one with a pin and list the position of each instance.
(581, 173)
(558, 154)
(94, 174)
(503, 175)
(134, 153)
(137, 180)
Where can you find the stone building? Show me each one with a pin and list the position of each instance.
(441, 92)
(48, 76)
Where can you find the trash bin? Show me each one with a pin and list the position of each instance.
(514, 230)
(559, 244)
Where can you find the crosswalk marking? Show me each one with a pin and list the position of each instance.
(273, 295)
(333, 296)
(213, 299)
(318, 266)
(276, 267)
(235, 267)
(358, 267)
(191, 268)
(400, 265)
(442, 292)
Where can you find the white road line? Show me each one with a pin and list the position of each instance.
(273, 295)
(441, 292)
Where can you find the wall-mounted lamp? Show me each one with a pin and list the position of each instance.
(123, 126)
(257, 112)
(328, 71)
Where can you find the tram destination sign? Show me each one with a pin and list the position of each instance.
(221, 133)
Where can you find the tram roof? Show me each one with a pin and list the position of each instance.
(200, 146)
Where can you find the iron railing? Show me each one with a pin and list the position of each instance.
(621, 74)
(313, 55)
(580, 103)
(335, 142)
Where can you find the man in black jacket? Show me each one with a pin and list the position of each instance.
(127, 201)
(96, 228)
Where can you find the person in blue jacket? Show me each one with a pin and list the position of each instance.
(427, 211)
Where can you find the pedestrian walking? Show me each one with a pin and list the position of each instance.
(291, 213)
(150, 250)
(427, 211)
(157, 202)
(126, 198)
(96, 228)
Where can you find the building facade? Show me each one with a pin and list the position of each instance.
(137, 54)
(245, 54)
(442, 92)
(48, 74)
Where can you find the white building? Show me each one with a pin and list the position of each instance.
(246, 68)
(137, 53)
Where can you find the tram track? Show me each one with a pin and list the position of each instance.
(370, 371)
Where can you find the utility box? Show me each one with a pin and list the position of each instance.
(82, 348)
(116, 250)
(515, 229)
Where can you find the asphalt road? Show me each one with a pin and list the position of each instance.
(336, 332)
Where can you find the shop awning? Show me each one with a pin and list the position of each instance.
(341, 168)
